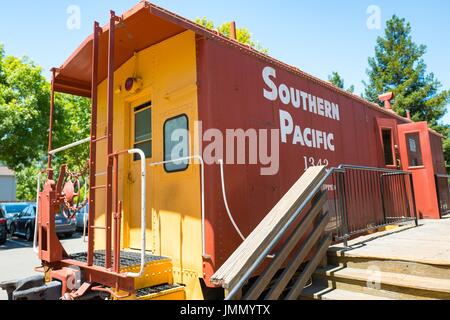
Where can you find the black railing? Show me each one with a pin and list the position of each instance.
(443, 193)
(365, 199)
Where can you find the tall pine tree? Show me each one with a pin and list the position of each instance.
(398, 66)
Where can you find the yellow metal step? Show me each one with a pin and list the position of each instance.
(157, 272)
(161, 292)
(165, 292)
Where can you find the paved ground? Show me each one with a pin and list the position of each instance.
(429, 243)
(17, 259)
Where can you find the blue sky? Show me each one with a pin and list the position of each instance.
(316, 36)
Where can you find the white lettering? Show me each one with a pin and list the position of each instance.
(273, 94)
(286, 125)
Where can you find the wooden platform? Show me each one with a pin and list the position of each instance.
(406, 263)
(428, 244)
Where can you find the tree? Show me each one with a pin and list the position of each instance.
(398, 66)
(24, 117)
(243, 34)
(24, 111)
(336, 79)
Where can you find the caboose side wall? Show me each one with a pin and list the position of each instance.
(231, 96)
(438, 154)
(168, 73)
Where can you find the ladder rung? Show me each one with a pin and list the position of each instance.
(100, 139)
(98, 187)
(99, 228)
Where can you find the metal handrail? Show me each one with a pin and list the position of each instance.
(70, 146)
(364, 168)
(143, 212)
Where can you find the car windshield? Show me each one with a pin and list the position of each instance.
(15, 208)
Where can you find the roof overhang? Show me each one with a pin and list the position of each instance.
(141, 27)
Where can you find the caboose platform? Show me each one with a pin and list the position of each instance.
(405, 263)
(157, 283)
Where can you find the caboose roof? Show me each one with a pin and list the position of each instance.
(145, 25)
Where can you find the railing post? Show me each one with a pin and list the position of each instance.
(344, 213)
(383, 204)
(117, 214)
(93, 147)
(438, 193)
(110, 134)
(413, 196)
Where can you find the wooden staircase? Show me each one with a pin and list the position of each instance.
(358, 278)
(296, 229)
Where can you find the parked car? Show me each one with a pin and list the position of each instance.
(3, 230)
(11, 210)
(23, 224)
(80, 218)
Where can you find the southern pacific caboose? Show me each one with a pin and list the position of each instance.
(150, 73)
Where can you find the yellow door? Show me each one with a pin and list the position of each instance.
(176, 189)
(164, 131)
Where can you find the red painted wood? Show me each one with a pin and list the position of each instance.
(423, 176)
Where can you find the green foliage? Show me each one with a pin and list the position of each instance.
(398, 66)
(336, 79)
(24, 101)
(24, 120)
(243, 34)
(27, 182)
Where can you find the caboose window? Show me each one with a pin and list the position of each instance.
(414, 150)
(387, 145)
(143, 130)
(176, 144)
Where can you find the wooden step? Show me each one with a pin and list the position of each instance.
(316, 292)
(345, 259)
(385, 284)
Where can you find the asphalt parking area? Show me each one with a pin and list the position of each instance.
(18, 260)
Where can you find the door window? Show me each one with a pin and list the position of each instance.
(388, 147)
(143, 130)
(176, 144)
(414, 150)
